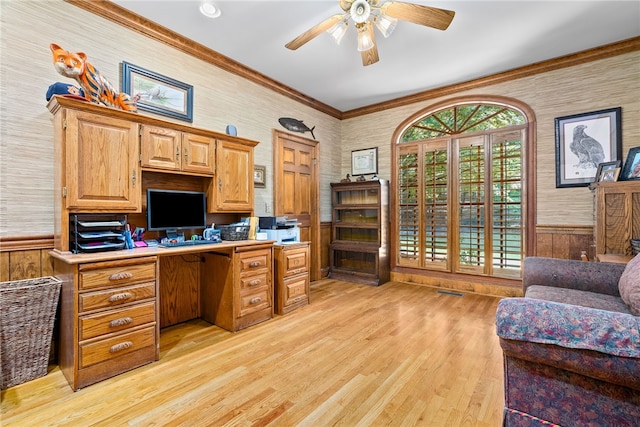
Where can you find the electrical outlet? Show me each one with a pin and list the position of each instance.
(267, 207)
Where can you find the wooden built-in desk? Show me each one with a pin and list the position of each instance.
(114, 303)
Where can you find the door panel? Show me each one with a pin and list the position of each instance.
(296, 189)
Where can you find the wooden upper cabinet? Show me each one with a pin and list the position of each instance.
(172, 150)
(232, 189)
(100, 163)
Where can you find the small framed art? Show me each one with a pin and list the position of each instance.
(364, 162)
(258, 176)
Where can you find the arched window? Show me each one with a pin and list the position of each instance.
(459, 189)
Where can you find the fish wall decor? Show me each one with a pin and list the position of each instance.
(296, 125)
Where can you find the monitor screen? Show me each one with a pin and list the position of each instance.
(174, 210)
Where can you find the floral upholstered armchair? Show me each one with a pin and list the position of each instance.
(572, 345)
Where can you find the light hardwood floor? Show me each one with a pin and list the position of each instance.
(398, 354)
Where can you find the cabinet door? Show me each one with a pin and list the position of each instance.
(198, 153)
(160, 148)
(233, 189)
(102, 169)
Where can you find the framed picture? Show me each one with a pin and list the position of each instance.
(583, 141)
(610, 175)
(606, 167)
(364, 162)
(158, 94)
(259, 176)
(631, 169)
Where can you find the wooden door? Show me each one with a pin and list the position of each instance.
(198, 153)
(101, 163)
(160, 148)
(296, 189)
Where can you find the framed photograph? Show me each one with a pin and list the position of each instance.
(364, 162)
(631, 169)
(606, 167)
(158, 94)
(583, 141)
(610, 175)
(259, 173)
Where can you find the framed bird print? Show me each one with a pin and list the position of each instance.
(584, 141)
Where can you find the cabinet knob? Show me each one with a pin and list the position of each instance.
(254, 264)
(121, 346)
(121, 275)
(254, 282)
(120, 297)
(255, 300)
(177, 154)
(120, 322)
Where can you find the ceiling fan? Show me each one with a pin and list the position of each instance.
(384, 16)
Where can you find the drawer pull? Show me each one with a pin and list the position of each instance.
(120, 322)
(254, 264)
(121, 276)
(254, 282)
(122, 346)
(120, 297)
(255, 300)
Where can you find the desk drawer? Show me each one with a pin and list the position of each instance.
(295, 261)
(117, 276)
(251, 283)
(116, 297)
(255, 261)
(116, 320)
(295, 289)
(255, 301)
(110, 348)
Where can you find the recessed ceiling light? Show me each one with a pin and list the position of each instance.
(210, 10)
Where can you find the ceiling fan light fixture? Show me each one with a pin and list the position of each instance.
(360, 11)
(364, 39)
(209, 9)
(338, 31)
(386, 24)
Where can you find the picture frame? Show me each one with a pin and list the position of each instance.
(610, 175)
(631, 168)
(364, 162)
(583, 141)
(158, 94)
(605, 167)
(259, 173)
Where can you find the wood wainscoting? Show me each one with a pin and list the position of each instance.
(565, 241)
(25, 257)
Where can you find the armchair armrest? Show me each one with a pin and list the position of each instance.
(570, 326)
(600, 277)
(590, 342)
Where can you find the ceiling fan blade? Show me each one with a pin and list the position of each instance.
(314, 32)
(370, 56)
(418, 14)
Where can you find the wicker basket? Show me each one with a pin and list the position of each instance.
(234, 232)
(27, 315)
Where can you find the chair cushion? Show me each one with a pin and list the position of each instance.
(578, 297)
(629, 285)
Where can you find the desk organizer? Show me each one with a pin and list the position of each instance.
(234, 232)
